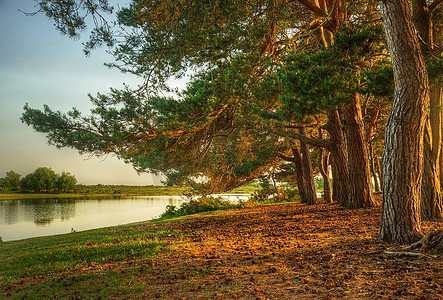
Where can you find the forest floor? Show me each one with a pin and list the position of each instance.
(285, 251)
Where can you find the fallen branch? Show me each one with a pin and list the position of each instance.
(403, 253)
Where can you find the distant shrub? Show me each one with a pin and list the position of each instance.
(199, 205)
(287, 194)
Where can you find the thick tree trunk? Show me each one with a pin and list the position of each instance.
(311, 196)
(340, 171)
(297, 159)
(403, 150)
(358, 159)
(431, 197)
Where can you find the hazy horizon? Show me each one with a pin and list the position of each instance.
(40, 66)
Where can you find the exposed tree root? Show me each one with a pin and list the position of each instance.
(432, 240)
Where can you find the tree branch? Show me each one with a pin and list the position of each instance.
(313, 142)
(313, 8)
(285, 157)
(435, 4)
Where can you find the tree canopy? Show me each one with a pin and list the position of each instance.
(261, 72)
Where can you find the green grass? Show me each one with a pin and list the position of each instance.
(61, 257)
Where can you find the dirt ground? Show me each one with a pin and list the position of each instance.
(290, 251)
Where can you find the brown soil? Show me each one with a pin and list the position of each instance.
(291, 251)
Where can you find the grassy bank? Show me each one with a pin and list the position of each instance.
(63, 265)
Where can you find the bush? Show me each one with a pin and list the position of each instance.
(199, 205)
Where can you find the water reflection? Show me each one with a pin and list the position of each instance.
(20, 219)
(40, 211)
(36, 217)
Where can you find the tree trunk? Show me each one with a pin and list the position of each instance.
(436, 119)
(403, 150)
(379, 171)
(373, 169)
(324, 170)
(358, 160)
(431, 197)
(299, 174)
(311, 196)
(340, 171)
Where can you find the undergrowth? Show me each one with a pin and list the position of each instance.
(199, 205)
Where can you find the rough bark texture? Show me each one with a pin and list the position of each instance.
(299, 174)
(431, 197)
(340, 171)
(360, 189)
(403, 151)
(311, 196)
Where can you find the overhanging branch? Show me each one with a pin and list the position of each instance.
(313, 142)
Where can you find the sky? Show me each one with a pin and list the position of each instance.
(40, 66)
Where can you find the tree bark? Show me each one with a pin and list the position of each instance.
(297, 159)
(379, 171)
(373, 168)
(324, 171)
(340, 171)
(403, 151)
(311, 196)
(431, 196)
(360, 188)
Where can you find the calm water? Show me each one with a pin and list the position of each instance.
(20, 219)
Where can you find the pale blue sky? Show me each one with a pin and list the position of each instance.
(39, 66)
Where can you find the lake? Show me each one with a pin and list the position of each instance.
(20, 219)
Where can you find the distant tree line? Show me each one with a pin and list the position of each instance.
(43, 179)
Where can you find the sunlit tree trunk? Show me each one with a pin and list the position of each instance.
(379, 171)
(324, 171)
(360, 193)
(299, 174)
(311, 196)
(431, 197)
(403, 150)
(340, 171)
(373, 168)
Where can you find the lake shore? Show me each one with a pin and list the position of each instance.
(285, 251)
(115, 191)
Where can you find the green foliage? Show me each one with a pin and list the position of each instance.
(66, 182)
(10, 182)
(226, 127)
(199, 205)
(313, 82)
(71, 17)
(46, 180)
